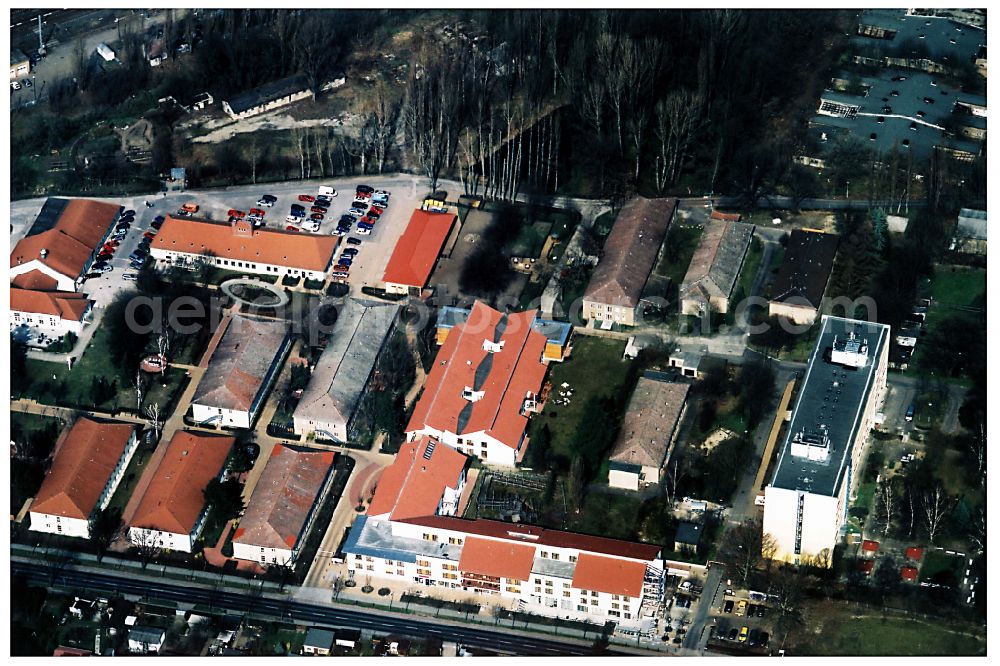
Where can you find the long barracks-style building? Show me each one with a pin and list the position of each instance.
(805, 506)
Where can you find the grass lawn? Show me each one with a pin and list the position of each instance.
(951, 287)
(594, 368)
(30, 423)
(750, 267)
(836, 629)
(133, 473)
(937, 561)
(678, 248)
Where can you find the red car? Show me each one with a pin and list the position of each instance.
(111, 245)
(318, 209)
(367, 219)
(257, 211)
(236, 213)
(149, 234)
(316, 216)
(374, 212)
(341, 269)
(306, 197)
(291, 228)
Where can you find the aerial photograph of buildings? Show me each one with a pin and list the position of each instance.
(498, 331)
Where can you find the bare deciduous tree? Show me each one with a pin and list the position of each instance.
(744, 548)
(678, 120)
(936, 506)
(885, 496)
(155, 418)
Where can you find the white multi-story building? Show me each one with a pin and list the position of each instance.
(484, 386)
(55, 313)
(90, 461)
(172, 510)
(411, 534)
(805, 505)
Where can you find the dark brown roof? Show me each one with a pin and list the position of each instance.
(806, 268)
(630, 251)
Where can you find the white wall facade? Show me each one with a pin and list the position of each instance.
(818, 516)
(166, 258)
(73, 527)
(230, 418)
(163, 540)
(64, 282)
(605, 312)
(478, 444)
(51, 323)
(619, 478)
(263, 556)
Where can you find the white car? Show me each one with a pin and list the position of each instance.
(265, 202)
(356, 213)
(361, 231)
(15, 85)
(291, 219)
(130, 277)
(310, 225)
(380, 194)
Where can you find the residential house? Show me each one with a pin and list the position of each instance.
(797, 292)
(615, 289)
(281, 510)
(172, 510)
(416, 251)
(62, 244)
(970, 232)
(425, 478)
(647, 433)
(557, 333)
(189, 243)
(688, 537)
(717, 262)
(241, 371)
(484, 386)
(20, 64)
(90, 459)
(318, 641)
(330, 402)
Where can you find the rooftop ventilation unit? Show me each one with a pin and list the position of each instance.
(811, 445)
(851, 352)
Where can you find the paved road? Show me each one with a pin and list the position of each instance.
(697, 635)
(278, 606)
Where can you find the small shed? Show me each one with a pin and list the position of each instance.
(915, 553)
(348, 638)
(688, 537)
(908, 574)
(869, 548)
(866, 566)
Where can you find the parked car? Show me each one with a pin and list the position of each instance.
(91, 276)
(317, 216)
(366, 189)
(366, 227)
(728, 606)
(291, 228)
(268, 197)
(103, 268)
(362, 231)
(327, 191)
(764, 638)
(375, 212)
(356, 212)
(149, 234)
(354, 241)
(350, 251)
(344, 261)
(360, 203)
(323, 201)
(292, 219)
(26, 83)
(156, 225)
(910, 411)
(15, 85)
(754, 637)
(235, 213)
(306, 197)
(733, 633)
(318, 209)
(258, 212)
(761, 611)
(130, 277)
(183, 213)
(744, 632)
(381, 201)
(741, 608)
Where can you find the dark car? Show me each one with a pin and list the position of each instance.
(374, 212)
(128, 213)
(354, 241)
(360, 205)
(761, 611)
(751, 610)
(754, 637)
(764, 638)
(728, 606)
(347, 219)
(269, 197)
(678, 640)
(733, 633)
(296, 207)
(156, 225)
(350, 251)
(316, 216)
(318, 209)
(365, 188)
(362, 225)
(344, 261)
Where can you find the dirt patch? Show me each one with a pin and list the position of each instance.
(716, 438)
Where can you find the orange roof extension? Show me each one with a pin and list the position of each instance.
(609, 575)
(35, 280)
(174, 500)
(284, 497)
(505, 377)
(84, 461)
(71, 241)
(418, 248)
(311, 252)
(414, 483)
(67, 305)
(500, 559)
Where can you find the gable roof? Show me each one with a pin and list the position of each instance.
(806, 267)
(505, 377)
(630, 251)
(339, 378)
(610, 575)
(649, 422)
(284, 497)
(67, 305)
(268, 92)
(311, 252)
(716, 262)
(239, 364)
(35, 279)
(174, 499)
(71, 241)
(500, 559)
(415, 482)
(84, 459)
(418, 248)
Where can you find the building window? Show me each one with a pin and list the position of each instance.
(582, 609)
(613, 613)
(615, 606)
(566, 593)
(572, 558)
(593, 602)
(628, 616)
(544, 554)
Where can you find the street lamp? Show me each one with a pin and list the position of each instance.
(848, 190)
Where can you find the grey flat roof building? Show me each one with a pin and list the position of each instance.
(828, 410)
(330, 402)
